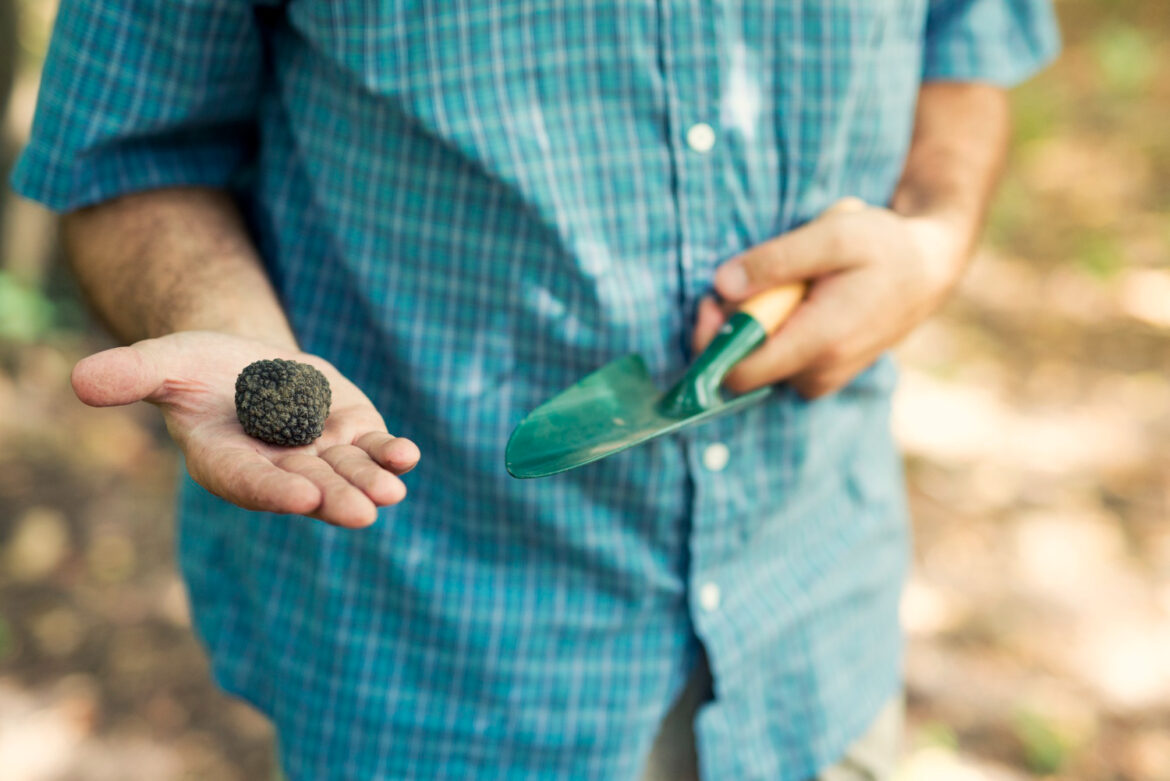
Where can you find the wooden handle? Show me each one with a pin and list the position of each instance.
(772, 307)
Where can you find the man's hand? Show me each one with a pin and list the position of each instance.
(341, 478)
(872, 274)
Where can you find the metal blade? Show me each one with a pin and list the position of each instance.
(614, 408)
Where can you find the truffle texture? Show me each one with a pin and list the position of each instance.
(282, 402)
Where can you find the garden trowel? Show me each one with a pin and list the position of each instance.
(618, 406)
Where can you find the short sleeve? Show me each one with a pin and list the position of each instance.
(999, 42)
(141, 94)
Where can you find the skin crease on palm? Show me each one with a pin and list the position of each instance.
(190, 376)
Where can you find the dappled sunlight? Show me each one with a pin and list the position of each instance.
(953, 422)
(1145, 296)
(928, 610)
(53, 734)
(41, 735)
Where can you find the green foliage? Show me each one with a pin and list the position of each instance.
(936, 734)
(1038, 108)
(25, 313)
(1126, 58)
(7, 641)
(1045, 749)
(35, 19)
(1098, 253)
(1012, 214)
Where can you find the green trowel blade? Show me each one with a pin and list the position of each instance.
(614, 408)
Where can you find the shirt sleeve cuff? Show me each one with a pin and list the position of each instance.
(986, 43)
(66, 184)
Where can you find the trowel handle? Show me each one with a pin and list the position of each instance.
(772, 307)
(757, 318)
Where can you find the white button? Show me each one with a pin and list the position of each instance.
(709, 597)
(716, 456)
(701, 137)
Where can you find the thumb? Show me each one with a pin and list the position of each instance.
(811, 250)
(119, 376)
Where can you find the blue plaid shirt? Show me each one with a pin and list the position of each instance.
(466, 206)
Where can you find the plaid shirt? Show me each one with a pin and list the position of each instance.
(467, 205)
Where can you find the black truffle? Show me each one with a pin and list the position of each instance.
(282, 402)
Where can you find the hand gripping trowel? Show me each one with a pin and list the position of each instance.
(618, 406)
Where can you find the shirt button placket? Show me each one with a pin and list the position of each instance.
(715, 457)
(701, 137)
(710, 597)
(692, 51)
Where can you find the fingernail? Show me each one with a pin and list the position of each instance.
(731, 280)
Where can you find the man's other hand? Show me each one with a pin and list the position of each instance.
(341, 478)
(872, 274)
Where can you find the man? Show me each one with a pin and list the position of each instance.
(464, 207)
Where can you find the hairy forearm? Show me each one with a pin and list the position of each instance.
(960, 141)
(172, 260)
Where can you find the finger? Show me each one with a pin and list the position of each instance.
(341, 503)
(244, 477)
(810, 338)
(397, 454)
(850, 203)
(709, 320)
(356, 466)
(821, 246)
(114, 377)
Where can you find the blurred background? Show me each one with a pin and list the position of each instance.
(1034, 412)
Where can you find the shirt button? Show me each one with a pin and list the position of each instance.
(701, 137)
(716, 456)
(709, 597)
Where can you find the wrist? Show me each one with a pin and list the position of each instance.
(273, 331)
(944, 242)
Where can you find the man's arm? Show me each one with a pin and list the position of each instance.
(875, 273)
(175, 272)
(961, 134)
(173, 260)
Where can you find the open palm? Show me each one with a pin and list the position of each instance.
(340, 478)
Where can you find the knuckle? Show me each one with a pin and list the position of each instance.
(370, 474)
(834, 353)
(850, 203)
(335, 453)
(297, 462)
(373, 438)
(764, 266)
(755, 273)
(814, 386)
